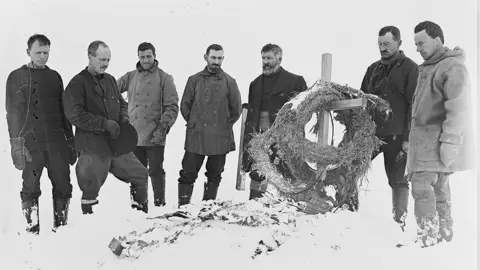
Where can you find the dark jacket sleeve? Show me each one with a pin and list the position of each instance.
(74, 106)
(365, 81)
(67, 126)
(301, 85)
(234, 101)
(187, 98)
(411, 85)
(170, 101)
(16, 105)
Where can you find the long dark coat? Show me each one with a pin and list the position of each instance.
(287, 85)
(211, 104)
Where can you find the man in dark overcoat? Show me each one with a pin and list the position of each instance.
(94, 105)
(40, 134)
(211, 104)
(266, 96)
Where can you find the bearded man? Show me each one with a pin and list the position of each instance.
(266, 96)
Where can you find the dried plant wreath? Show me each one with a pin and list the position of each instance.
(345, 165)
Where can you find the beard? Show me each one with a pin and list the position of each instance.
(270, 69)
(214, 68)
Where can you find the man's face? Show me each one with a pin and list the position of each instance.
(147, 58)
(214, 60)
(426, 45)
(39, 54)
(387, 45)
(270, 63)
(99, 62)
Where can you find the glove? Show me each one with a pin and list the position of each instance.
(112, 127)
(125, 119)
(19, 153)
(160, 133)
(448, 153)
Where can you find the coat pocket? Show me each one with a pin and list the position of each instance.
(427, 144)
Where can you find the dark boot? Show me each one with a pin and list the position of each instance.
(400, 205)
(184, 193)
(255, 194)
(31, 213)
(139, 198)
(444, 210)
(158, 185)
(87, 207)
(60, 212)
(427, 232)
(210, 190)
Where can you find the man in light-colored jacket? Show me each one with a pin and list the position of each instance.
(153, 109)
(440, 135)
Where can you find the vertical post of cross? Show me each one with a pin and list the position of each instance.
(323, 116)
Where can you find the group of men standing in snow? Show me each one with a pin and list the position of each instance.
(428, 129)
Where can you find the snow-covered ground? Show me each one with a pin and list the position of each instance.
(343, 240)
(181, 30)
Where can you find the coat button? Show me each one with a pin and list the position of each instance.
(136, 105)
(205, 125)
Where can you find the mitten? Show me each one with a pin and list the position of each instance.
(19, 153)
(448, 153)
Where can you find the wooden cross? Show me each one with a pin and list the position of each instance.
(323, 116)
